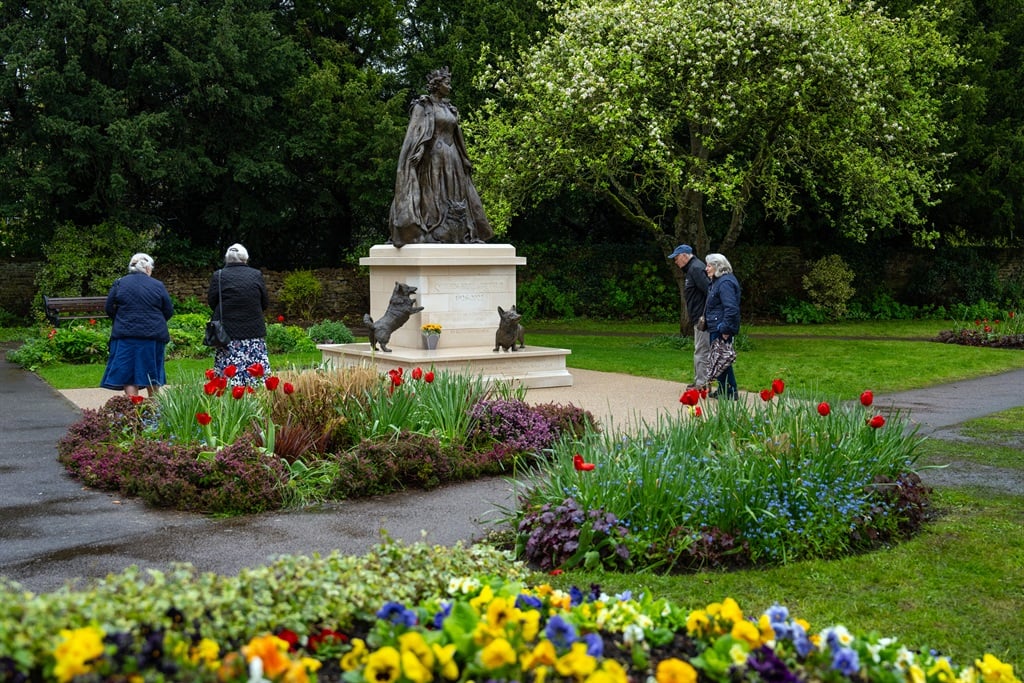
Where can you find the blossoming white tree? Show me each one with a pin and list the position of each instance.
(664, 106)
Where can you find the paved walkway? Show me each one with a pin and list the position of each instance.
(52, 529)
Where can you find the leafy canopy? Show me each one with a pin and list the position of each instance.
(664, 106)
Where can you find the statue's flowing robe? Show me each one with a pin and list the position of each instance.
(433, 170)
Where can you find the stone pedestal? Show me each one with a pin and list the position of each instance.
(460, 287)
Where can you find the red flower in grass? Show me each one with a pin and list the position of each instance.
(1012, 314)
(288, 388)
(867, 398)
(824, 409)
(271, 383)
(230, 371)
(325, 636)
(417, 373)
(289, 636)
(428, 376)
(203, 418)
(704, 391)
(280, 318)
(211, 387)
(237, 392)
(250, 390)
(92, 321)
(778, 386)
(697, 412)
(136, 399)
(988, 328)
(556, 572)
(690, 397)
(876, 422)
(767, 395)
(255, 370)
(396, 377)
(211, 373)
(580, 464)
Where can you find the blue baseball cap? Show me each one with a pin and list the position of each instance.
(681, 249)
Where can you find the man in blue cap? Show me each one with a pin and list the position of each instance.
(695, 291)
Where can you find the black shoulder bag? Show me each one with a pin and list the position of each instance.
(216, 336)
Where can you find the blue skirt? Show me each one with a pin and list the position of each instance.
(134, 361)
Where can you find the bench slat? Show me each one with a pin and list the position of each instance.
(57, 308)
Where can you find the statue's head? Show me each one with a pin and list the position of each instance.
(436, 77)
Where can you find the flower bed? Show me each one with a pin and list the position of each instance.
(446, 617)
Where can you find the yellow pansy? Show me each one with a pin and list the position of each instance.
(576, 662)
(675, 671)
(498, 654)
(444, 656)
(356, 657)
(206, 652)
(994, 671)
(764, 625)
(413, 642)
(298, 672)
(77, 648)
(609, 672)
(916, 674)
(413, 669)
(383, 666)
(483, 599)
(941, 671)
(698, 622)
(500, 612)
(542, 655)
(530, 621)
(747, 632)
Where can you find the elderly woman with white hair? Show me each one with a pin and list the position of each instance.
(238, 297)
(139, 307)
(722, 314)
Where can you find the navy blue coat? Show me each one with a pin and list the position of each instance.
(140, 308)
(723, 309)
(244, 295)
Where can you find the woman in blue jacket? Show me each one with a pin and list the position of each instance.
(140, 307)
(723, 314)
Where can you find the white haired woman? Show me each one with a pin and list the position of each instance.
(722, 315)
(139, 307)
(238, 296)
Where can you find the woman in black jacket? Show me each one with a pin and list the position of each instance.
(238, 297)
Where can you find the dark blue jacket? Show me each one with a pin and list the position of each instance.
(140, 308)
(245, 297)
(723, 310)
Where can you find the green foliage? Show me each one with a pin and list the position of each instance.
(191, 304)
(288, 339)
(798, 312)
(330, 332)
(808, 99)
(829, 285)
(301, 293)
(85, 260)
(641, 295)
(537, 298)
(785, 484)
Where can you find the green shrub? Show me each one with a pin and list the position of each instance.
(288, 339)
(301, 294)
(829, 285)
(540, 298)
(330, 332)
(35, 353)
(640, 295)
(191, 304)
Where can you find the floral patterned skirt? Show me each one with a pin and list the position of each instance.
(242, 353)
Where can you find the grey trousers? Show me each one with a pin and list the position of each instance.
(701, 348)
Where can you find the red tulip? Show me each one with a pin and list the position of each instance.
(697, 411)
(428, 376)
(288, 388)
(136, 399)
(767, 395)
(690, 397)
(210, 373)
(867, 398)
(92, 321)
(417, 373)
(271, 383)
(824, 409)
(255, 370)
(556, 572)
(778, 386)
(210, 388)
(876, 422)
(280, 318)
(237, 392)
(988, 329)
(704, 392)
(580, 464)
(230, 371)
(203, 418)
(289, 636)
(249, 389)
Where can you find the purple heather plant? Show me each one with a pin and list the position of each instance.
(513, 424)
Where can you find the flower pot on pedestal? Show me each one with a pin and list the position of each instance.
(430, 341)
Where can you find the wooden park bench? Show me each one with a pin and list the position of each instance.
(59, 309)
